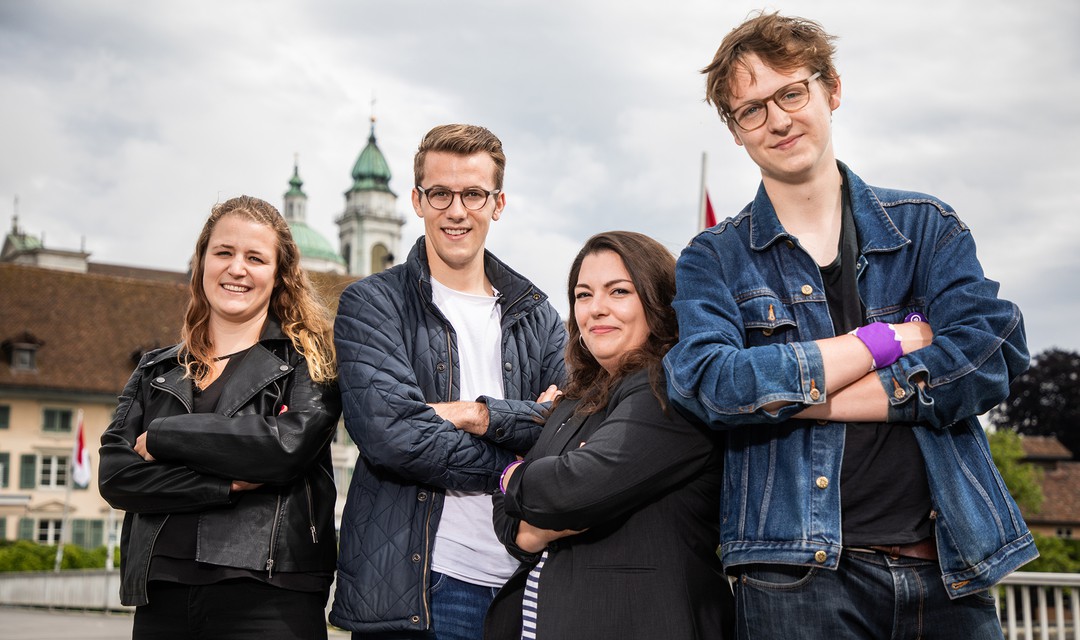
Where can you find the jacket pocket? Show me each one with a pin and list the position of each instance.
(766, 320)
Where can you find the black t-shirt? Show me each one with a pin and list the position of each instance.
(884, 493)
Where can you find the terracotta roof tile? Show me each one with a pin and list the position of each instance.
(1044, 448)
(1061, 496)
(92, 323)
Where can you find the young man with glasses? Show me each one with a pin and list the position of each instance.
(845, 337)
(441, 360)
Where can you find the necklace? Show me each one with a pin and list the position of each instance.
(227, 356)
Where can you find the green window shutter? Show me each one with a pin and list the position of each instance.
(5, 416)
(27, 471)
(26, 529)
(3, 528)
(97, 534)
(5, 469)
(78, 532)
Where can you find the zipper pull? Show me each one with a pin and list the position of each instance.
(269, 568)
(314, 536)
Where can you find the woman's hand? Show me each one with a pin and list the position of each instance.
(534, 539)
(240, 485)
(140, 447)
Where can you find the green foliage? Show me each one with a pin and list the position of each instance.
(1056, 555)
(1023, 480)
(23, 555)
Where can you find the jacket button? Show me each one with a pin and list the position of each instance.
(508, 366)
(159, 379)
(821, 556)
(823, 422)
(422, 496)
(536, 296)
(500, 432)
(790, 244)
(899, 394)
(822, 483)
(416, 557)
(440, 367)
(415, 619)
(807, 289)
(284, 367)
(814, 394)
(767, 332)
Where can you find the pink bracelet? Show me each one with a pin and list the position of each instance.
(502, 477)
(884, 345)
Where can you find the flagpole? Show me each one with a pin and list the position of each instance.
(67, 502)
(69, 480)
(701, 195)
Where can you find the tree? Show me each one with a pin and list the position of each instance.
(1023, 480)
(1045, 400)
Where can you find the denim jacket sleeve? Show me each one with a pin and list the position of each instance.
(386, 412)
(712, 373)
(978, 348)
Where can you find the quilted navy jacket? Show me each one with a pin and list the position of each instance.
(397, 353)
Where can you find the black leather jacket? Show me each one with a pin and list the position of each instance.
(273, 425)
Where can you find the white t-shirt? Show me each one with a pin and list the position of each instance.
(465, 544)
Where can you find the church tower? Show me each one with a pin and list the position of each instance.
(370, 227)
(316, 253)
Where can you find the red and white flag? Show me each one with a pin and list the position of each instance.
(80, 458)
(710, 215)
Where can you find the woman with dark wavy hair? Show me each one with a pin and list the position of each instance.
(219, 452)
(614, 512)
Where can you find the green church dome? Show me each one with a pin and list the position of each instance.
(312, 244)
(371, 171)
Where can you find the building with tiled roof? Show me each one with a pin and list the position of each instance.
(68, 344)
(72, 331)
(1060, 512)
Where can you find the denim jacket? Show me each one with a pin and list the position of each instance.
(751, 302)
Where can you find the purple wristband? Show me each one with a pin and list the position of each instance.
(914, 316)
(882, 341)
(502, 477)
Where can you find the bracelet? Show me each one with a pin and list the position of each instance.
(502, 477)
(884, 345)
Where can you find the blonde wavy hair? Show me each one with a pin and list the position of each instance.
(304, 320)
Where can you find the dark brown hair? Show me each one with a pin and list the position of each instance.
(652, 270)
(781, 42)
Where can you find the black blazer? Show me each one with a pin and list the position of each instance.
(646, 486)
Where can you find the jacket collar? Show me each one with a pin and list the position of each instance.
(516, 294)
(875, 228)
(258, 368)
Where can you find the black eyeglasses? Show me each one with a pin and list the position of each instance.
(791, 98)
(473, 198)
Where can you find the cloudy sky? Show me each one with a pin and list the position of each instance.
(121, 123)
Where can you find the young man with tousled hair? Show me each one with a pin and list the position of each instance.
(845, 338)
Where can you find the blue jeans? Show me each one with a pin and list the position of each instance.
(457, 612)
(869, 596)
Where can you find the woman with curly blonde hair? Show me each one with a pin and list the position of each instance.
(219, 451)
